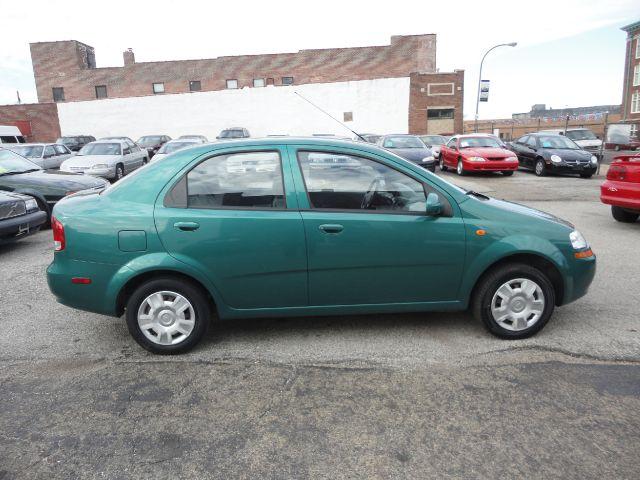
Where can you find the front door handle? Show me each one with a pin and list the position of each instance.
(186, 226)
(331, 228)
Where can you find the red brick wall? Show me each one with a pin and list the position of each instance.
(42, 117)
(629, 65)
(421, 96)
(65, 64)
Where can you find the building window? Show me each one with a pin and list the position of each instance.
(195, 86)
(635, 102)
(58, 94)
(348, 116)
(633, 133)
(158, 87)
(258, 82)
(638, 47)
(232, 84)
(101, 91)
(636, 75)
(440, 113)
(287, 80)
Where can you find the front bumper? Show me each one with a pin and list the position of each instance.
(589, 168)
(579, 278)
(430, 165)
(14, 228)
(107, 173)
(491, 166)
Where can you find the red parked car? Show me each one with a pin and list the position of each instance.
(477, 152)
(621, 190)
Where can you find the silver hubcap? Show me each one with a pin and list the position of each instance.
(166, 318)
(459, 168)
(539, 168)
(518, 304)
(441, 164)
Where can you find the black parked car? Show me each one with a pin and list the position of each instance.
(19, 216)
(545, 153)
(19, 175)
(76, 142)
(411, 148)
(153, 143)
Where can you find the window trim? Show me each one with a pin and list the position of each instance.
(264, 83)
(448, 207)
(153, 88)
(277, 151)
(636, 74)
(237, 87)
(635, 99)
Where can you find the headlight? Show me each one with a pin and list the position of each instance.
(578, 242)
(594, 159)
(31, 204)
(476, 159)
(556, 159)
(100, 166)
(428, 159)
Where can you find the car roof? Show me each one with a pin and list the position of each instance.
(35, 144)
(115, 140)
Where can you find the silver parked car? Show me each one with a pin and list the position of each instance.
(173, 146)
(45, 155)
(111, 159)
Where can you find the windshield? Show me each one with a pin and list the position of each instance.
(11, 162)
(151, 140)
(581, 135)
(557, 141)
(479, 142)
(231, 134)
(100, 149)
(405, 141)
(175, 146)
(434, 139)
(29, 151)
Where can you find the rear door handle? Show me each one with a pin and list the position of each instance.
(186, 226)
(331, 228)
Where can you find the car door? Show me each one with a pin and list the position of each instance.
(519, 146)
(49, 157)
(234, 217)
(62, 153)
(138, 154)
(530, 151)
(450, 149)
(369, 240)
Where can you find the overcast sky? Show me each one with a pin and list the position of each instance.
(569, 53)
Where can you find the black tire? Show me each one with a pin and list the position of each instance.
(541, 170)
(119, 171)
(45, 208)
(189, 291)
(507, 173)
(625, 216)
(586, 175)
(443, 167)
(493, 280)
(460, 168)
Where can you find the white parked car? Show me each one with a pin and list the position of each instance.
(11, 134)
(584, 137)
(111, 159)
(45, 155)
(173, 146)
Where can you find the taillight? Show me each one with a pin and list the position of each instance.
(616, 172)
(58, 234)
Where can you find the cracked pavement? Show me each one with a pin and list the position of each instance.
(383, 396)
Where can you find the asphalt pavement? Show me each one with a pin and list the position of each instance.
(382, 396)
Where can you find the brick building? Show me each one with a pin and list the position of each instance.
(399, 81)
(38, 122)
(631, 86)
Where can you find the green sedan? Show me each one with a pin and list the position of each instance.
(306, 226)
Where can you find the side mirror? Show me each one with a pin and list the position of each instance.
(434, 207)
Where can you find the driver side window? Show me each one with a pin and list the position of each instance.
(338, 181)
(452, 143)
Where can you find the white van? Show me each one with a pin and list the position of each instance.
(584, 137)
(11, 134)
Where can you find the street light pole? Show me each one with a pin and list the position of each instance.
(512, 44)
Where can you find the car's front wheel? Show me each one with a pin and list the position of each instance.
(541, 168)
(460, 168)
(443, 167)
(622, 215)
(119, 171)
(514, 301)
(167, 316)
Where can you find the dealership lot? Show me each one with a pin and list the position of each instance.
(369, 396)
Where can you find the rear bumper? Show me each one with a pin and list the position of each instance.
(22, 226)
(491, 166)
(621, 194)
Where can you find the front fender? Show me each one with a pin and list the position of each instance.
(481, 260)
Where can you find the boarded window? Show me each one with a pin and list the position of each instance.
(101, 91)
(440, 113)
(58, 94)
(195, 86)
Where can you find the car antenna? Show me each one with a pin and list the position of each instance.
(331, 117)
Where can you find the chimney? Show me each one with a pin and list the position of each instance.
(129, 57)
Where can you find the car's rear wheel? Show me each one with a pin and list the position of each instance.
(622, 215)
(443, 167)
(507, 173)
(460, 168)
(167, 316)
(119, 171)
(514, 301)
(541, 168)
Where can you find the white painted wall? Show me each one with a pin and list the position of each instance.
(378, 106)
